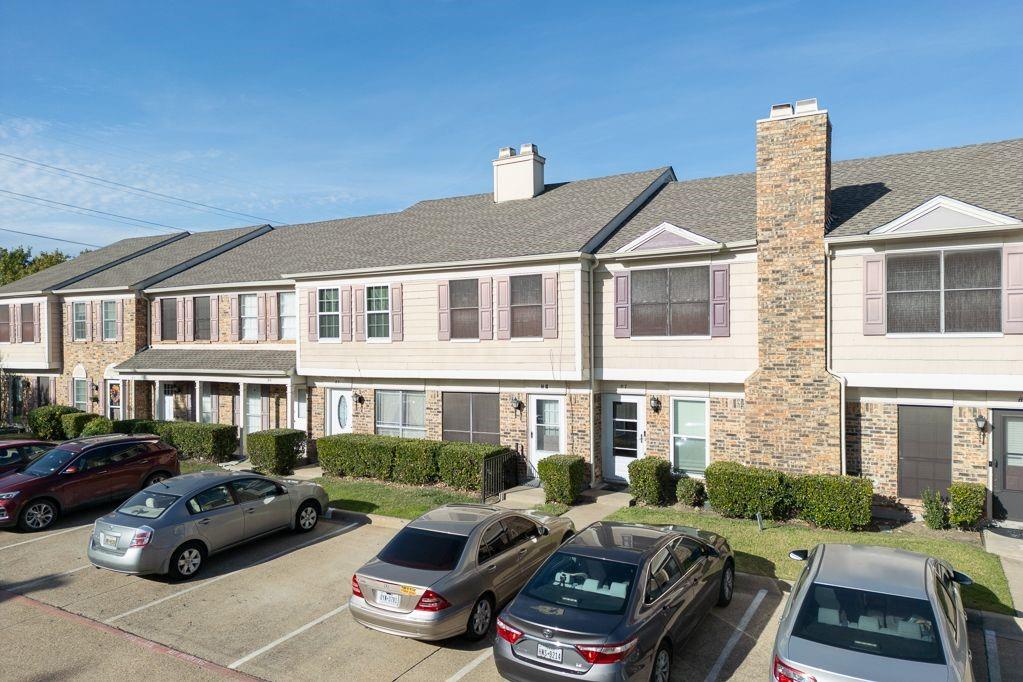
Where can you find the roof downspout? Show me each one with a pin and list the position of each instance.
(828, 255)
(594, 437)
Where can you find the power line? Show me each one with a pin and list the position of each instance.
(99, 213)
(43, 236)
(176, 201)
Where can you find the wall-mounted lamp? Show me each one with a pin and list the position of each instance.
(982, 425)
(515, 403)
(94, 387)
(358, 399)
(655, 403)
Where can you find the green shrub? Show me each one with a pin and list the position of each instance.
(361, 455)
(74, 422)
(830, 501)
(45, 422)
(935, 514)
(274, 451)
(147, 426)
(212, 442)
(690, 491)
(98, 427)
(330, 453)
(966, 504)
(740, 491)
(650, 480)
(563, 477)
(415, 461)
(461, 464)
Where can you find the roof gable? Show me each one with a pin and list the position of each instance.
(944, 213)
(665, 236)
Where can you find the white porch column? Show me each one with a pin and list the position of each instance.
(241, 415)
(198, 401)
(158, 401)
(288, 410)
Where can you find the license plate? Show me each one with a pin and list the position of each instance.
(108, 540)
(551, 653)
(388, 599)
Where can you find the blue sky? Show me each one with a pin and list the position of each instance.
(311, 110)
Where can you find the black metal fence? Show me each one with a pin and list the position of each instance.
(499, 473)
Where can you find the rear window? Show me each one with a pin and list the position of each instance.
(147, 505)
(870, 622)
(423, 549)
(583, 583)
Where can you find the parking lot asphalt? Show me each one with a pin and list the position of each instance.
(276, 610)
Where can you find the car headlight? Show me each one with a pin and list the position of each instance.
(9, 496)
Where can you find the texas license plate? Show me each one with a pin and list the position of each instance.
(388, 599)
(109, 541)
(551, 653)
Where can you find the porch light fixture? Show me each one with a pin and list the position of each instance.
(655, 403)
(981, 422)
(358, 399)
(94, 387)
(515, 403)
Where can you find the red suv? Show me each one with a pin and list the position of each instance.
(83, 472)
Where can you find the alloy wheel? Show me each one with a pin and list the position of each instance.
(39, 515)
(662, 666)
(481, 617)
(156, 478)
(307, 518)
(189, 560)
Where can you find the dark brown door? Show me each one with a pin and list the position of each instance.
(1007, 451)
(925, 449)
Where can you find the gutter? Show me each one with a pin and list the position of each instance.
(842, 382)
(594, 437)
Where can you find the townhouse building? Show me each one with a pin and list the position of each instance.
(860, 317)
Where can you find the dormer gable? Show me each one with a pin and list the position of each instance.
(944, 213)
(666, 236)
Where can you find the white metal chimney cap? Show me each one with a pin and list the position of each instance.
(806, 106)
(505, 152)
(529, 148)
(781, 110)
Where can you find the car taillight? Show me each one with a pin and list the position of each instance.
(606, 653)
(431, 601)
(783, 672)
(507, 632)
(143, 534)
(356, 590)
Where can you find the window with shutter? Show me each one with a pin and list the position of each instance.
(526, 306)
(80, 327)
(670, 301)
(201, 318)
(464, 307)
(329, 314)
(378, 312)
(109, 314)
(168, 319)
(5, 324)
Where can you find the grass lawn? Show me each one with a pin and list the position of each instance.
(389, 499)
(552, 508)
(190, 466)
(766, 553)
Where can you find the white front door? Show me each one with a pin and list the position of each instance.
(298, 409)
(624, 435)
(253, 408)
(339, 411)
(168, 402)
(546, 428)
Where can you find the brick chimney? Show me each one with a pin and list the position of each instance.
(793, 404)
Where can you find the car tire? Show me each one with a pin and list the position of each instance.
(480, 619)
(661, 669)
(187, 561)
(727, 584)
(306, 517)
(566, 537)
(153, 479)
(38, 515)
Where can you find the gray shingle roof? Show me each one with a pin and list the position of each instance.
(226, 360)
(564, 218)
(143, 269)
(65, 273)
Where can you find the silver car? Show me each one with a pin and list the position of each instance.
(447, 572)
(171, 527)
(859, 612)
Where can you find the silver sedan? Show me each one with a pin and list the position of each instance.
(447, 572)
(171, 527)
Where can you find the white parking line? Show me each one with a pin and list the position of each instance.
(44, 537)
(994, 666)
(712, 676)
(20, 588)
(225, 575)
(262, 650)
(472, 665)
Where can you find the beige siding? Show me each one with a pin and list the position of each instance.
(42, 355)
(735, 353)
(420, 354)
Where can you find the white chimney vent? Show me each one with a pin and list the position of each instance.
(518, 176)
(781, 110)
(806, 106)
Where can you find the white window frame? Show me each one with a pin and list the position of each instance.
(107, 384)
(673, 435)
(367, 312)
(84, 405)
(84, 321)
(293, 316)
(675, 337)
(206, 394)
(401, 426)
(254, 317)
(320, 315)
(103, 319)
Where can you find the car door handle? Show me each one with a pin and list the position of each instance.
(491, 568)
(522, 552)
(203, 522)
(250, 510)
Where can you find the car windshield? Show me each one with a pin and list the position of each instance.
(869, 622)
(54, 460)
(147, 505)
(424, 549)
(583, 583)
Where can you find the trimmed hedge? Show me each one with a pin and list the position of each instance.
(415, 461)
(74, 422)
(740, 491)
(563, 477)
(45, 422)
(360, 455)
(274, 450)
(966, 504)
(98, 427)
(213, 442)
(461, 464)
(133, 426)
(691, 491)
(831, 501)
(650, 480)
(935, 514)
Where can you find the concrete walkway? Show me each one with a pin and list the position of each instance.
(1007, 544)
(306, 472)
(594, 505)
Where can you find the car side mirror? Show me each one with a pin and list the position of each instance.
(70, 470)
(962, 578)
(544, 530)
(799, 554)
(711, 551)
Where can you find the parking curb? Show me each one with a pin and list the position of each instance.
(367, 519)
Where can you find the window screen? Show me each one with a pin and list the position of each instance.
(471, 417)
(925, 449)
(465, 308)
(5, 324)
(671, 302)
(201, 318)
(109, 320)
(28, 321)
(526, 306)
(168, 319)
(944, 291)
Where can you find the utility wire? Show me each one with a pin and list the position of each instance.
(43, 236)
(177, 201)
(92, 210)
(76, 212)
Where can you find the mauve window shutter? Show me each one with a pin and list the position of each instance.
(214, 318)
(397, 318)
(88, 321)
(443, 312)
(53, 391)
(190, 318)
(345, 294)
(503, 285)
(622, 284)
(874, 315)
(181, 318)
(549, 282)
(71, 391)
(69, 329)
(1012, 292)
(265, 400)
(156, 317)
(312, 323)
(37, 333)
(119, 324)
(359, 294)
(720, 300)
(261, 317)
(272, 318)
(486, 308)
(13, 315)
(235, 319)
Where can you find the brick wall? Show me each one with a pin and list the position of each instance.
(364, 415)
(872, 445)
(141, 399)
(317, 411)
(514, 423)
(969, 449)
(658, 427)
(580, 429)
(434, 409)
(727, 437)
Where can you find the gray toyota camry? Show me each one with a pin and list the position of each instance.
(174, 525)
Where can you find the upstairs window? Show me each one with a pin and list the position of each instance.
(944, 292)
(526, 305)
(109, 320)
(287, 316)
(28, 322)
(671, 302)
(249, 311)
(5, 324)
(201, 318)
(168, 320)
(328, 314)
(464, 295)
(378, 312)
(79, 314)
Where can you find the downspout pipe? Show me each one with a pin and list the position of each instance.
(594, 437)
(842, 382)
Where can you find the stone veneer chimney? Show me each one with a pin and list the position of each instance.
(793, 404)
(518, 176)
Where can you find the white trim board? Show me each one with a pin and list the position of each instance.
(952, 382)
(540, 375)
(687, 376)
(944, 212)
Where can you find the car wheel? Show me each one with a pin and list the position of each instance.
(662, 664)
(306, 517)
(38, 515)
(187, 561)
(155, 478)
(480, 619)
(727, 585)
